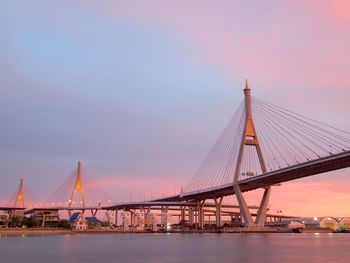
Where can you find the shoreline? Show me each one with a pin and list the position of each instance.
(33, 232)
(47, 232)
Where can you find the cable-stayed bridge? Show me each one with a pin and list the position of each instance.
(261, 146)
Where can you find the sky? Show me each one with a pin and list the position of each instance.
(140, 90)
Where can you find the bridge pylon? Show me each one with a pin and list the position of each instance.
(20, 198)
(250, 139)
(78, 187)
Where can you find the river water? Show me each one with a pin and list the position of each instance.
(166, 248)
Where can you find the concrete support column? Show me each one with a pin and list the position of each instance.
(201, 220)
(125, 220)
(261, 217)
(218, 202)
(116, 218)
(190, 216)
(93, 212)
(147, 215)
(132, 217)
(248, 220)
(164, 216)
(43, 223)
(182, 218)
(202, 216)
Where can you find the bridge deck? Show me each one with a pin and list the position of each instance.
(318, 166)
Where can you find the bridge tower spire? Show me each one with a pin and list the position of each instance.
(250, 139)
(20, 197)
(78, 187)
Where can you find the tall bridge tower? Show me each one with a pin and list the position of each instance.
(250, 139)
(20, 198)
(78, 187)
(263, 145)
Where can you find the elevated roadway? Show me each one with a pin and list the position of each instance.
(318, 166)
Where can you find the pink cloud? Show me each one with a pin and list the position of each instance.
(305, 198)
(304, 45)
(126, 188)
(340, 10)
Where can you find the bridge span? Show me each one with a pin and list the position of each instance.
(263, 145)
(322, 165)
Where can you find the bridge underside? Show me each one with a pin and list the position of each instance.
(322, 165)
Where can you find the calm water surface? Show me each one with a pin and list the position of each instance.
(166, 248)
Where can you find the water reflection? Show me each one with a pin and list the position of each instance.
(166, 248)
